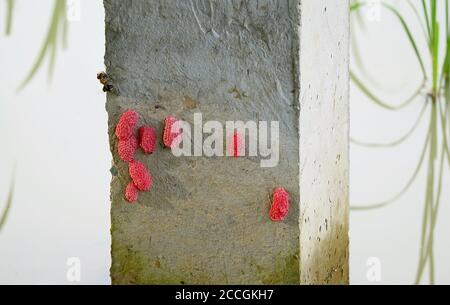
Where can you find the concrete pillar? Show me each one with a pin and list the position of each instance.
(206, 221)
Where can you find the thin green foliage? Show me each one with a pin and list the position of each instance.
(56, 37)
(58, 26)
(358, 22)
(380, 102)
(56, 34)
(410, 36)
(9, 16)
(436, 98)
(360, 207)
(9, 201)
(417, 15)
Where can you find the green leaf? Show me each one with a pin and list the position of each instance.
(425, 252)
(360, 207)
(399, 16)
(378, 101)
(9, 16)
(51, 41)
(8, 205)
(416, 13)
(408, 33)
(446, 19)
(444, 118)
(435, 58)
(427, 22)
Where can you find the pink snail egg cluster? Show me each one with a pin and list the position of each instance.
(131, 192)
(147, 139)
(130, 138)
(170, 134)
(127, 148)
(140, 176)
(280, 205)
(127, 125)
(128, 142)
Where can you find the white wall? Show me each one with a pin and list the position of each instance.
(57, 134)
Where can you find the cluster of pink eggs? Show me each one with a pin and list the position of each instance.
(130, 138)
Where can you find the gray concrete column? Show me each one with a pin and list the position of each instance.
(206, 219)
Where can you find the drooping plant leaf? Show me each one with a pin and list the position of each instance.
(364, 89)
(419, 19)
(437, 94)
(49, 48)
(361, 207)
(9, 200)
(9, 16)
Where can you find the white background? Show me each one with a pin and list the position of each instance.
(56, 132)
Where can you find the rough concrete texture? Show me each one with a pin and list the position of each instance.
(324, 124)
(206, 219)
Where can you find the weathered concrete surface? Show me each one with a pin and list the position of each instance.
(206, 219)
(324, 124)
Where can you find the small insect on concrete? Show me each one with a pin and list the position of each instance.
(105, 81)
